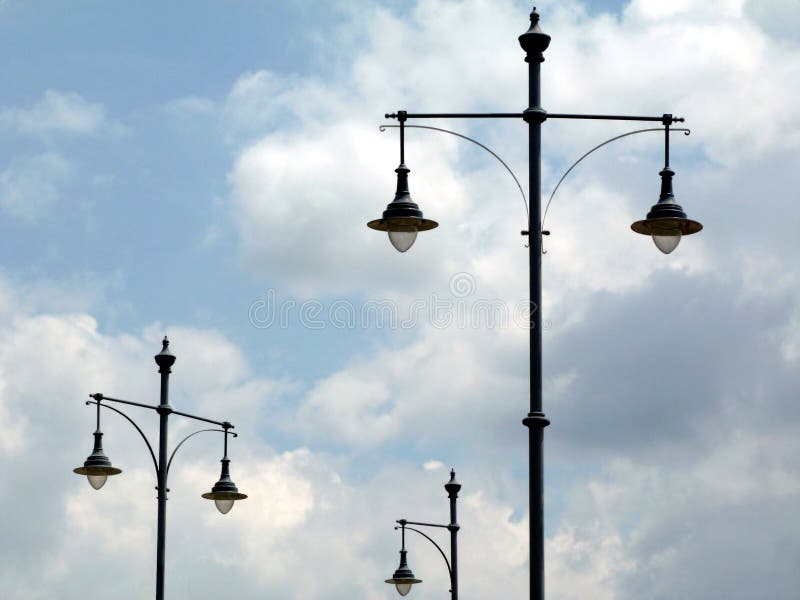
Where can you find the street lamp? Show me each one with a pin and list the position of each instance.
(402, 219)
(666, 223)
(98, 467)
(403, 578)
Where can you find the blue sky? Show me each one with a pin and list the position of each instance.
(178, 168)
(138, 229)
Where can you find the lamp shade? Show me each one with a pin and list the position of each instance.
(666, 222)
(402, 218)
(403, 577)
(97, 467)
(224, 493)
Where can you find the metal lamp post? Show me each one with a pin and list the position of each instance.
(666, 223)
(403, 578)
(97, 466)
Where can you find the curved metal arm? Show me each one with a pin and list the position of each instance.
(132, 422)
(477, 143)
(171, 456)
(447, 562)
(614, 139)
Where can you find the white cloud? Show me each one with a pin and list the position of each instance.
(191, 105)
(779, 18)
(58, 112)
(696, 515)
(433, 465)
(30, 186)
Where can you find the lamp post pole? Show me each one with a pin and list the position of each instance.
(98, 467)
(164, 361)
(666, 223)
(452, 488)
(535, 42)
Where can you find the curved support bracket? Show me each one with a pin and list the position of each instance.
(171, 456)
(132, 422)
(447, 562)
(477, 143)
(613, 139)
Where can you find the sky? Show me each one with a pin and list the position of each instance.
(206, 170)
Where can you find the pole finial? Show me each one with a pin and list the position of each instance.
(452, 487)
(165, 359)
(534, 41)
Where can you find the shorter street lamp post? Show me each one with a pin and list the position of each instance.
(403, 577)
(98, 467)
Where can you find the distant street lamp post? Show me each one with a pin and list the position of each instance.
(666, 223)
(98, 467)
(403, 577)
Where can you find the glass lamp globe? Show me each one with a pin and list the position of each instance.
(97, 481)
(667, 243)
(402, 238)
(224, 506)
(403, 588)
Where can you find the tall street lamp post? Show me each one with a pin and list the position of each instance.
(403, 577)
(98, 467)
(666, 223)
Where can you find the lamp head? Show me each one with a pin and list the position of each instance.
(97, 467)
(402, 218)
(224, 493)
(403, 577)
(666, 222)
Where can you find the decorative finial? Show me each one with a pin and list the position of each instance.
(534, 41)
(165, 359)
(452, 486)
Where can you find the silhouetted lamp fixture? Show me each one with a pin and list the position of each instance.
(224, 493)
(666, 222)
(403, 577)
(402, 218)
(97, 467)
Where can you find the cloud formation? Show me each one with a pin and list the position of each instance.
(30, 186)
(57, 113)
